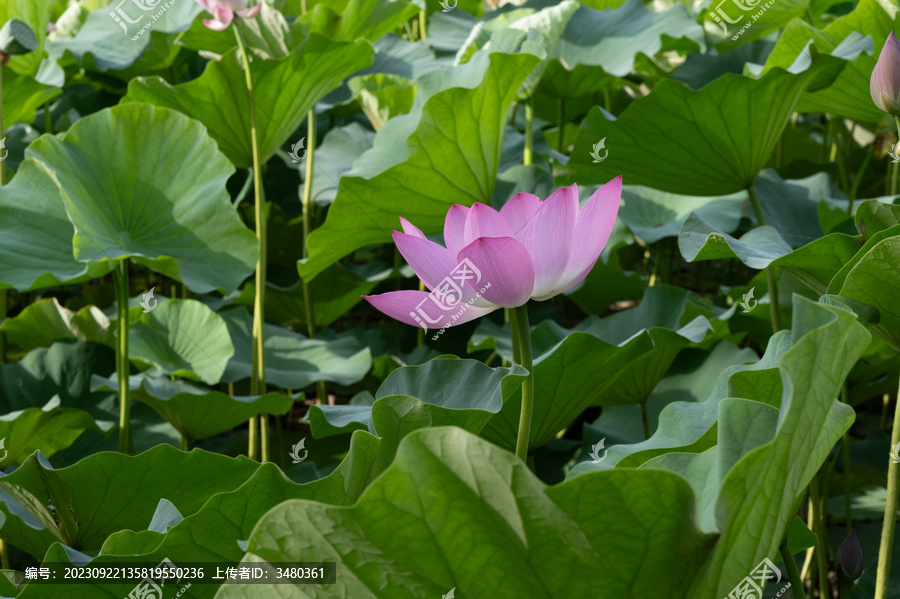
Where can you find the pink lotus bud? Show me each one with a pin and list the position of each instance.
(885, 82)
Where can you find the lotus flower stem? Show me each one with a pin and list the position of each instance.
(774, 308)
(820, 531)
(420, 333)
(422, 25)
(845, 449)
(120, 281)
(560, 141)
(645, 422)
(895, 183)
(509, 316)
(3, 306)
(655, 270)
(258, 373)
(305, 201)
(890, 514)
(48, 122)
(779, 151)
(891, 186)
(806, 570)
(885, 406)
(522, 331)
(837, 152)
(857, 180)
(846, 590)
(529, 125)
(321, 389)
(2, 166)
(793, 573)
(2, 318)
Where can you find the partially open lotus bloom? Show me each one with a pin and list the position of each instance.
(885, 82)
(530, 249)
(223, 12)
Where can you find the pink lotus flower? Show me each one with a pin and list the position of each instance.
(223, 12)
(528, 250)
(885, 82)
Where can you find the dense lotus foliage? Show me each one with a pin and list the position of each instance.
(454, 299)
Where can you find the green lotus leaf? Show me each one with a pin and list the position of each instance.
(718, 154)
(108, 168)
(46, 321)
(848, 95)
(284, 91)
(410, 171)
(66, 503)
(49, 429)
(292, 360)
(195, 412)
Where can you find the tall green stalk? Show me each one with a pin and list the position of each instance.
(258, 373)
(845, 450)
(305, 201)
(837, 154)
(791, 565)
(420, 332)
(3, 298)
(321, 388)
(510, 316)
(890, 514)
(645, 421)
(120, 282)
(820, 531)
(48, 120)
(774, 308)
(857, 180)
(895, 182)
(3, 309)
(846, 590)
(2, 166)
(560, 142)
(529, 126)
(522, 333)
